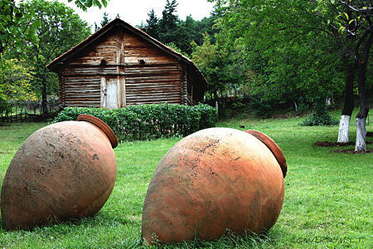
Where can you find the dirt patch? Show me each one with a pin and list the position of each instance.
(346, 151)
(331, 144)
(334, 144)
(351, 151)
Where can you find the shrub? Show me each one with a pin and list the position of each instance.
(319, 116)
(140, 122)
(230, 106)
(4, 105)
(259, 107)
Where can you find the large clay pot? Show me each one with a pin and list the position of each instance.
(213, 180)
(63, 171)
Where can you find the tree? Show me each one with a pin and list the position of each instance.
(170, 30)
(60, 29)
(168, 22)
(197, 29)
(18, 26)
(85, 4)
(285, 52)
(213, 61)
(329, 13)
(345, 25)
(105, 20)
(348, 103)
(15, 77)
(346, 42)
(304, 49)
(361, 14)
(355, 29)
(14, 26)
(152, 24)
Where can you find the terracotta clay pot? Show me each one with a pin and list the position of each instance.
(273, 147)
(213, 180)
(63, 171)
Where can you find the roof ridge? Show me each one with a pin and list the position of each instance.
(105, 29)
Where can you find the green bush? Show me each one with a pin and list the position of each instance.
(319, 116)
(230, 106)
(4, 105)
(141, 122)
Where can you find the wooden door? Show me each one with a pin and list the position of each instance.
(112, 92)
(109, 93)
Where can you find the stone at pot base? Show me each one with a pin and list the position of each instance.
(63, 171)
(213, 180)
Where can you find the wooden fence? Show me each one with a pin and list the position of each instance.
(26, 111)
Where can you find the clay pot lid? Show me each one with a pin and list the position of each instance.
(275, 149)
(102, 125)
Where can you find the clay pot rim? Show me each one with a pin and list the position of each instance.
(273, 147)
(102, 125)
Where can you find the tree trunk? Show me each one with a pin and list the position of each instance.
(364, 106)
(361, 116)
(360, 135)
(344, 124)
(44, 103)
(344, 129)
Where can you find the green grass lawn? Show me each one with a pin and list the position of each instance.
(328, 195)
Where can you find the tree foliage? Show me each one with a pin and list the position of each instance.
(152, 24)
(359, 15)
(168, 23)
(15, 26)
(17, 75)
(85, 4)
(51, 29)
(215, 63)
(30, 38)
(286, 51)
(299, 51)
(105, 20)
(170, 29)
(59, 29)
(15, 78)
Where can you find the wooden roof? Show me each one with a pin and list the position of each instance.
(54, 65)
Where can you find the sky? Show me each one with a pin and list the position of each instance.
(136, 11)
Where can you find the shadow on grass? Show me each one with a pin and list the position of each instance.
(228, 240)
(336, 144)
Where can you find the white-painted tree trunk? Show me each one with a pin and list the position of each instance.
(344, 128)
(360, 135)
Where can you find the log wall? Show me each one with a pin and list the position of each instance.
(145, 73)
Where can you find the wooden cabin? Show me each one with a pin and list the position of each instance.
(121, 65)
